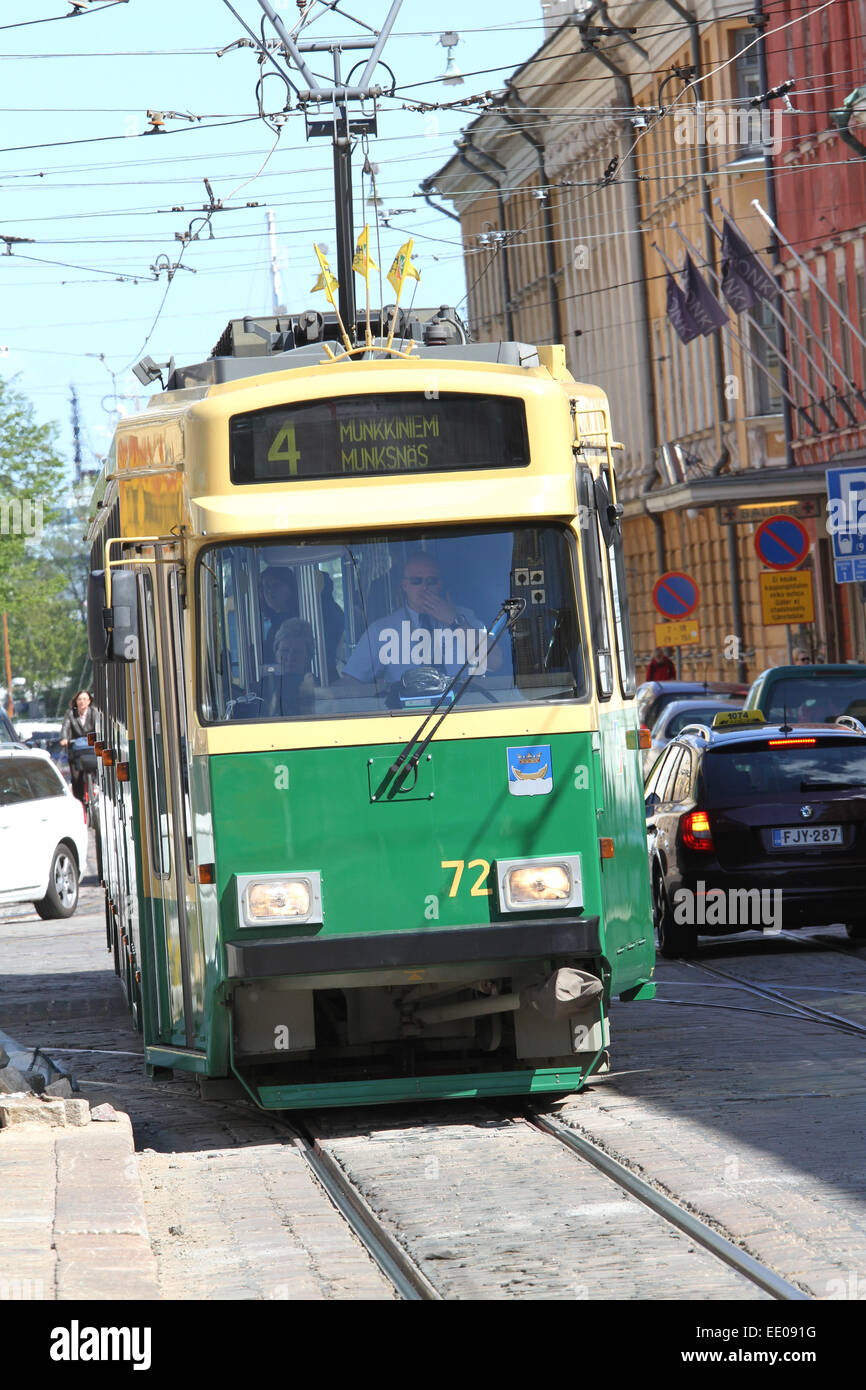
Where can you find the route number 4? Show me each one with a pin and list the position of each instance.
(285, 450)
(458, 865)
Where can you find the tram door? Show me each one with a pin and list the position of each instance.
(175, 961)
(177, 689)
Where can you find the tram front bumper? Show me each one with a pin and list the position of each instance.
(560, 937)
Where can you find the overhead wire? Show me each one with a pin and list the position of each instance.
(51, 18)
(680, 96)
(516, 233)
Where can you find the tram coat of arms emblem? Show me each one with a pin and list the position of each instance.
(530, 770)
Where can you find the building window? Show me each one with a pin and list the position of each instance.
(768, 393)
(747, 84)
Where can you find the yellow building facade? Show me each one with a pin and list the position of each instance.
(589, 173)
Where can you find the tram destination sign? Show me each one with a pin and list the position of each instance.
(377, 436)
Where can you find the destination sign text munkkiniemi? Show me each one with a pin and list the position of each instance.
(375, 436)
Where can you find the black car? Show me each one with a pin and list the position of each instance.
(654, 696)
(755, 826)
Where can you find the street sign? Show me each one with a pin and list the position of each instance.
(782, 542)
(677, 634)
(846, 522)
(675, 595)
(733, 513)
(787, 598)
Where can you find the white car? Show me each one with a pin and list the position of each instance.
(43, 834)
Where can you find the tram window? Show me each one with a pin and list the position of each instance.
(596, 588)
(160, 837)
(616, 560)
(368, 624)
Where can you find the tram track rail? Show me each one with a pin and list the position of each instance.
(796, 1007)
(846, 948)
(408, 1281)
(411, 1284)
(760, 1275)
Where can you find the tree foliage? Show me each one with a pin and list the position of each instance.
(42, 563)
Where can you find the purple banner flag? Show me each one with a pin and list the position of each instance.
(745, 279)
(701, 303)
(678, 313)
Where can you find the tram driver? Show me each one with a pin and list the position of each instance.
(395, 644)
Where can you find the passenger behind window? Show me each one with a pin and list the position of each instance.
(280, 592)
(289, 689)
(333, 624)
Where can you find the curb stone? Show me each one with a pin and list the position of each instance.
(73, 1223)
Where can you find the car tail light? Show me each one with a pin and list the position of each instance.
(696, 831)
(791, 742)
(83, 811)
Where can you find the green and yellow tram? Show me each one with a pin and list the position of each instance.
(372, 818)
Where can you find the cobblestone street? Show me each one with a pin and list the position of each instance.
(232, 1211)
(760, 1133)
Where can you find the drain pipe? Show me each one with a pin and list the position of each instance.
(709, 240)
(710, 253)
(462, 146)
(658, 524)
(427, 186)
(624, 83)
(538, 146)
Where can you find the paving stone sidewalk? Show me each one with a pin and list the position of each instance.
(72, 1222)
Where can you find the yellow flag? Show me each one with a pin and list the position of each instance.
(403, 269)
(327, 281)
(363, 262)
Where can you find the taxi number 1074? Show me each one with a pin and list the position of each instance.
(458, 865)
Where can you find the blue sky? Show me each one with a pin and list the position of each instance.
(103, 208)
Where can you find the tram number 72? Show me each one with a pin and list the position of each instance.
(458, 865)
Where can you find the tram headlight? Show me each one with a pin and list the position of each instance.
(538, 884)
(272, 900)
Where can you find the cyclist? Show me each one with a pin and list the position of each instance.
(78, 723)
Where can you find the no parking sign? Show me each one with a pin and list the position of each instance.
(782, 542)
(676, 595)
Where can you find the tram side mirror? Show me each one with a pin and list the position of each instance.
(112, 633)
(97, 634)
(609, 513)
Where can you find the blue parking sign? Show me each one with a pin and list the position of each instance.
(846, 522)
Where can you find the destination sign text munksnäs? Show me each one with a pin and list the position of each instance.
(374, 436)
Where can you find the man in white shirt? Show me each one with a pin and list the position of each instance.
(428, 629)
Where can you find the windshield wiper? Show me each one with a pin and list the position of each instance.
(411, 753)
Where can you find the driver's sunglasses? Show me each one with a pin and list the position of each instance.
(429, 581)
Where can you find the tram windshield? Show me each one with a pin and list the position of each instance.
(379, 624)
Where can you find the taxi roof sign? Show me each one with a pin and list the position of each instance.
(737, 718)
